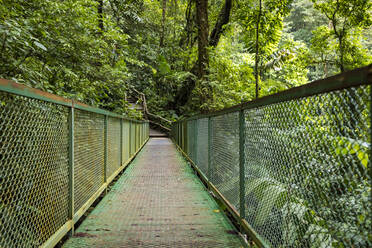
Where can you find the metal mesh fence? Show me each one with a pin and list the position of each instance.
(113, 145)
(302, 163)
(126, 140)
(37, 153)
(225, 156)
(191, 139)
(132, 140)
(306, 170)
(202, 145)
(89, 156)
(33, 170)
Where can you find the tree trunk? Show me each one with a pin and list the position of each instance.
(100, 15)
(203, 56)
(163, 19)
(201, 67)
(223, 19)
(340, 42)
(257, 47)
(202, 22)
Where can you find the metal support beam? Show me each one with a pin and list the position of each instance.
(195, 131)
(121, 142)
(242, 162)
(130, 139)
(71, 167)
(209, 148)
(105, 150)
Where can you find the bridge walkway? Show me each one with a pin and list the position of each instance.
(157, 202)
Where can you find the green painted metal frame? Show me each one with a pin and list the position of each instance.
(210, 155)
(196, 140)
(245, 227)
(121, 141)
(73, 214)
(105, 151)
(69, 225)
(358, 77)
(225, 203)
(71, 166)
(242, 163)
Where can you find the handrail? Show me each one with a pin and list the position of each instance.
(287, 166)
(57, 157)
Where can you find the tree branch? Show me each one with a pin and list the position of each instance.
(223, 19)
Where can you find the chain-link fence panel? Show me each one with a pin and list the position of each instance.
(135, 137)
(138, 135)
(307, 172)
(113, 145)
(89, 156)
(191, 139)
(126, 142)
(225, 156)
(202, 145)
(34, 170)
(132, 140)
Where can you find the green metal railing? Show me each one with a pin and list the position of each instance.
(56, 158)
(294, 168)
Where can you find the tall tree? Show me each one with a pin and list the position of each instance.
(203, 56)
(203, 32)
(263, 25)
(345, 16)
(100, 15)
(163, 19)
(257, 59)
(223, 19)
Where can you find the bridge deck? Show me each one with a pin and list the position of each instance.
(155, 133)
(157, 202)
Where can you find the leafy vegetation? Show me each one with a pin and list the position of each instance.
(102, 52)
(191, 56)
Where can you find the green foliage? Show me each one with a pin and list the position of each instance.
(56, 46)
(347, 18)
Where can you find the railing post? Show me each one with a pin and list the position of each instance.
(195, 141)
(185, 138)
(242, 162)
(209, 148)
(105, 150)
(71, 167)
(135, 137)
(130, 139)
(121, 142)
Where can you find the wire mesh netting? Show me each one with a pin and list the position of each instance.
(113, 145)
(307, 181)
(225, 156)
(89, 156)
(33, 171)
(307, 168)
(132, 141)
(36, 145)
(202, 145)
(191, 139)
(126, 141)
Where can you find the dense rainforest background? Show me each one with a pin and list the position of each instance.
(185, 56)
